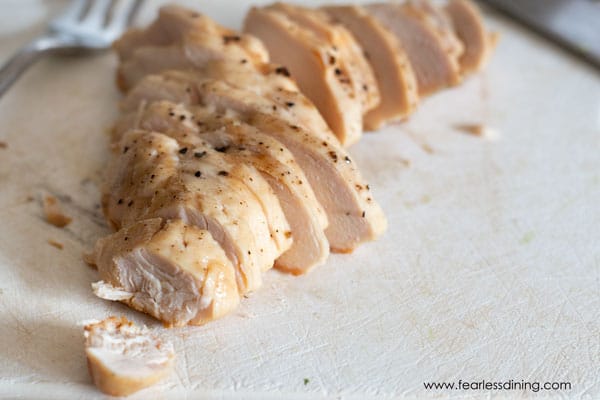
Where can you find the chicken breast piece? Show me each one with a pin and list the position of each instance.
(246, 144)
(351, 55)
(183, 39)
(178, 123)
(176, 272)
(155, 176)
(175, 24)
(354, 217)
(394, 74)
(206, 61)
(309, 61)
(307, 220)
(123, 358)
(435, 66)
(440, 22)
(182, 87)
(468, 24)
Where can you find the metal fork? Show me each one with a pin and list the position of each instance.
(85, 25)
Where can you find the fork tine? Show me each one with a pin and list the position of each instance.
(98, 13)
(125, 15)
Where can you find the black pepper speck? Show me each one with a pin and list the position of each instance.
(283, 71)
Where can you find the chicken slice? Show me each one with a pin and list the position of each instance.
(440, 22)
(302, 210)
(176, 272)
(175, 24)
(246, 144)
(206, 61)
(309, 62)
(394, 74)
(354, 217)
(157, 177)
(435, 66)
(178, 123)
(468, 24)
(183, 39)
(351, 55)
(123, 358)
(183, 87)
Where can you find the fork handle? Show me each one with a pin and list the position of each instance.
(24, 58)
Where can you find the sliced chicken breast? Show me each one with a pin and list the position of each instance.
(123, 358)
(351, 58)
(434, 64)
(440, 22)
(155, 176)
(175, 24)
(468, 24)
(307, 220)
(176, 272)
(183, 87)
(354, 217)
(183, 39)
(246, 144)
(204, 61)
(309, 61)
(394, 74)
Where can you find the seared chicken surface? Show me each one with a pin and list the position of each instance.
(229, 156)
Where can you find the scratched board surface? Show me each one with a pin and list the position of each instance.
(490, 268)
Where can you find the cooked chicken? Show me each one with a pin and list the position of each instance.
(222, 167)
(435, 64)
(123, 358)
(309, 62)
(351, 57)
(204, 63)
(182, 87)
(394, 74)
(248, 145)
(175, 24)
(468, 24)
(440, 22)
(354, 217)
(172, 270)
(182, 39)
(157, 177)
(304, 213)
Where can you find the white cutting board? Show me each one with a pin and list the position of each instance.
(490, 268)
